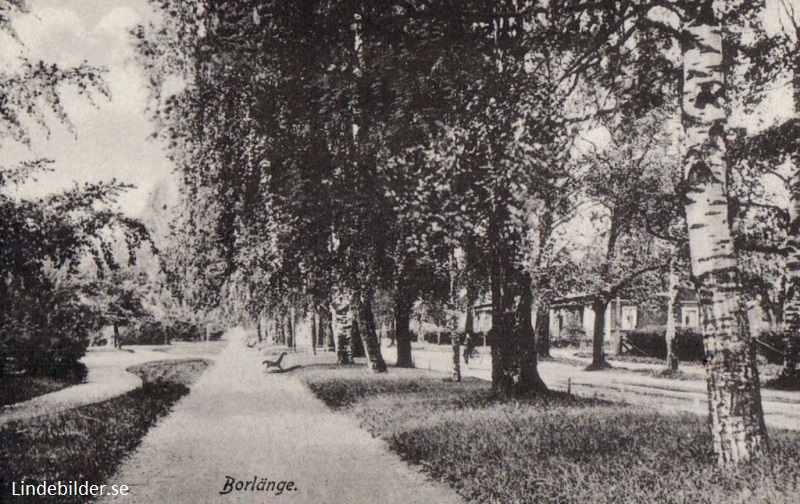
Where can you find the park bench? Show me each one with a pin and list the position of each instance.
(275, 363)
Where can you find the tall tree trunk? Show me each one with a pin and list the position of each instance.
(617, 325)
(356, 339)
(259, 330)
(736, 417)
(514, 367)
(314, 338)
(402, 329)
(326, 328)
(320, 332)
(543, 291)
(790, 374)
(289, 320)
(469, 320)
(599, 308)
(280, 329)
(116, 334)
(452, 318)
(669, 336)
(344, 321)
(366, 319)
(543, 328)
(602, 299)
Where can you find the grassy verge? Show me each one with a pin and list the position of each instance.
(89, 442)
(553, 449)
(19, 388)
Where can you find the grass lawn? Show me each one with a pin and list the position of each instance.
(89, 442)
(19, 388)
(553, 449)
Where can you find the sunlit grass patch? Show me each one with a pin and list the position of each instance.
(88, 443)
(551, 449)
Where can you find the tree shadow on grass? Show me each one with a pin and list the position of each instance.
(284, 370)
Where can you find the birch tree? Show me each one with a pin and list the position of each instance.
(735, 413)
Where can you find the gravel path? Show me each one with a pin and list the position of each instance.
(243, 423)
(106, 379)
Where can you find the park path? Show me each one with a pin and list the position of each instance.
(241, 422)
(107, 378)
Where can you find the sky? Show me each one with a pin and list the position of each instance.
(110, 138)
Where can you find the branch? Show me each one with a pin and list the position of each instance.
(625, 281)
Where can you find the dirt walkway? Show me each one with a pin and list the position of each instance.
(242, 423)
(106, 379)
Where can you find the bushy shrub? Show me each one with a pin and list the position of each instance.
(773, 352)
(184, 330)
(145, 332)
(46, 333)
(436, 337)
(647, 343)
(154, 332)
(572, 335)
(652, 343)
(688, 345)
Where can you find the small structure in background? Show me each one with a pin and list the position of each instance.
(572, 318)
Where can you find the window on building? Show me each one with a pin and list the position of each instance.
(690, 316)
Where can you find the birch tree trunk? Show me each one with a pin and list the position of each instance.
(344, 319)
(326, 337)
(790, 374)
(542, 300)
(290, 329)
(669, 335)
(280, 330)
(356, 340)
(452, 319)
(735, 415)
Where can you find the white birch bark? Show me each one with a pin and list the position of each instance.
(735, 414)
(669, 336)
(452, 319)
(791, 338)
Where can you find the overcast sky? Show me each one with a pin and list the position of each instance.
(111, 137)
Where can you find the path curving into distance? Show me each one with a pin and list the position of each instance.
(243, 423)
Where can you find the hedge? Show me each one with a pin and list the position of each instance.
(688, 344)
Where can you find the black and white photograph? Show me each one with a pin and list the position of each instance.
(400, 251)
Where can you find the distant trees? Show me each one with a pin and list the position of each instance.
(621, 180)
(44, 317)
